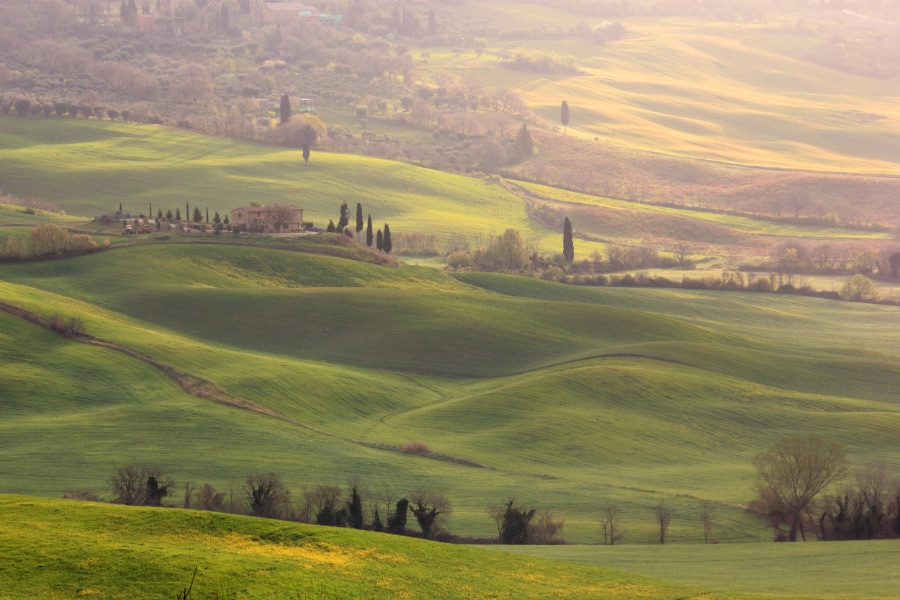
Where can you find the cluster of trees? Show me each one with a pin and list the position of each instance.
(793, 259)
(525, 526)
(48, 241)
(870, 50)
(792, 482)
(266, 495)
(381, 239)
(510, 253)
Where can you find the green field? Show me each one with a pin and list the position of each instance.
(91, 168)
(63, 549)
(845, 570)
(563, 397)
(566, 397)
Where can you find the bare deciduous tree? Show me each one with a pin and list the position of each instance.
(281, 217)
(663, 518)
(706, 517)
(544, 529)
(611, 525)
(790, 476)
(209, 499)
(188, 493)
(140, 485)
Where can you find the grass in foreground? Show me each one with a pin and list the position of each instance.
(829, 570)
(65, 549)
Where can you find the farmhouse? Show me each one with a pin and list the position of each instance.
(277, 218)
(284, 12)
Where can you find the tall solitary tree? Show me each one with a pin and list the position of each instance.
(564, 116)
(359, 219)
(568, 243)
(285, 108)
(379, 240)
(790, 476)
(344, 218)
(524, 142)
(369, 236)
(304, 131)
(388, 245)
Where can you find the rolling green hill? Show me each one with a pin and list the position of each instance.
(559, 396)
(91, 168)
(64, 549)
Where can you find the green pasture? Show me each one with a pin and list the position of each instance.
(731, 92)
(90, 168)
(828, 571)
(66, 549)
(564, 397)
(15, 215)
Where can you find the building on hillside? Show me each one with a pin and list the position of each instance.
(287, 12)
(283, 12)
(275, 218)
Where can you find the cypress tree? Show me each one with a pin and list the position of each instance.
(387, 239)
(524, 142)
(177, 214)
(344, 218)
(331, 228)
(568, 244)
(377, 525)
(564, 116)
(285, 107)
(198, 216)
(379, 240)
(359, 219)
(355, 517)
(369, 232)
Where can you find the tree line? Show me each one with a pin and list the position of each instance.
(266, 495)
(802, 491)
(382, 239)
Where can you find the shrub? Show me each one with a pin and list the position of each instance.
(71, 328)
(416, 447)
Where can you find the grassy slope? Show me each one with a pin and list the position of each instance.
(61, 549)
(748, 369)
(840, 570)
(92, 167)
(723, 91)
